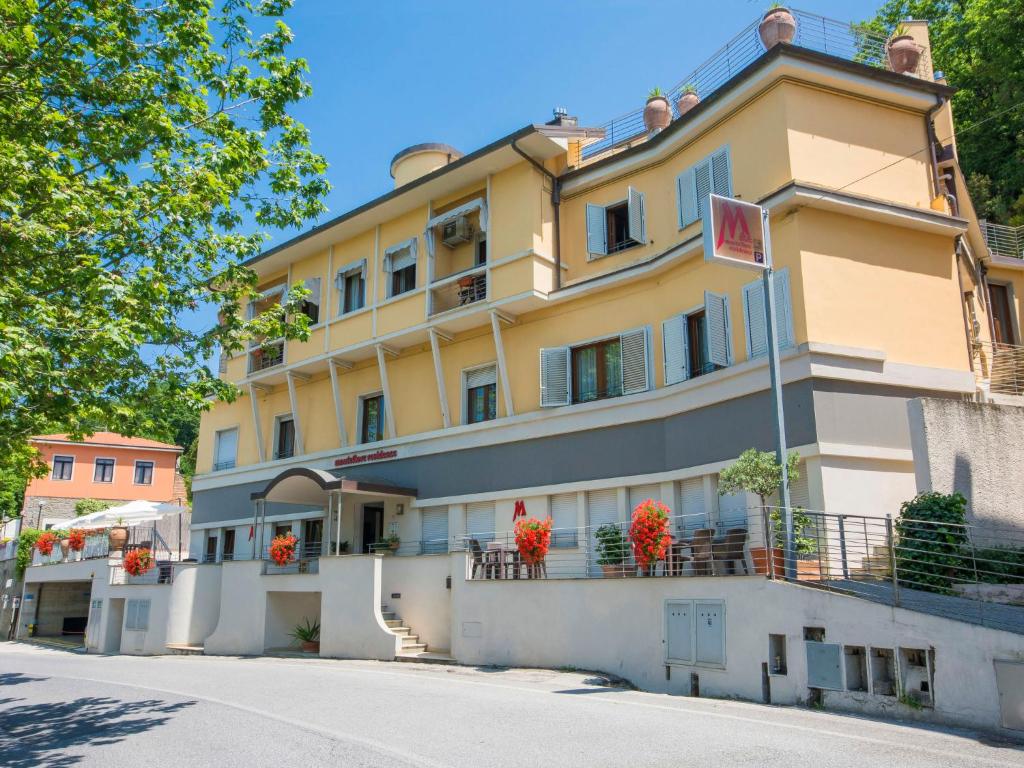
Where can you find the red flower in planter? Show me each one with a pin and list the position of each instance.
(648, 533)
(138, 562)
(76, 539)
(282, 549)
(45, 543)
(533, 537)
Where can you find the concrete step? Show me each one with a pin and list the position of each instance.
(426, 657)
(414, 647)
(181, 649)
(401, 630)
(408, 641)
(389, 615)
(392, 623)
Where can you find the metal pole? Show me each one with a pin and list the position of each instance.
(255, 523)
(779, 411)
(842, 546)
(892, 559)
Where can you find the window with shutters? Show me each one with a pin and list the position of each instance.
(284, 437)
(692, 505)
(311, 304)
(596, 370)
(697, 342)
(225, 449)
(351, 284)
(713, 174)
(481, 386)
(616, 227)
(563, 520)
(755, 316)
(480, 521)
(434, 533)
(136, 615)
(400, 264)
(371, 418)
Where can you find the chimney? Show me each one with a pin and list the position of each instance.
(419, 160)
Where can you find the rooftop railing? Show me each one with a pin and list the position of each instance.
(999, 368)
(1004, 241)
(813, 32)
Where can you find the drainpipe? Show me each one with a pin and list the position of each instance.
(556, 199)
(932, 141)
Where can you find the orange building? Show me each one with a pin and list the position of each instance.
(104, 466)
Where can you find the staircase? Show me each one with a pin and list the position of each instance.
(876, 564)
(412, 649)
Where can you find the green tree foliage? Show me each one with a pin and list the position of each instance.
(26, 540)
(932, 546)
(145, 148)
(977, 44)
(88, 506)
(757, 472)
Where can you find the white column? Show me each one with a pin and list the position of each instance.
(389, 411)
(339, 411)
(294, 401)
(499, 351)
(261, 451)
(435, 349)
(340, 505)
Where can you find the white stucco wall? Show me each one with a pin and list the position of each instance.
(425, 602)
(352, 626)
(974, 448)
(617, 626)
(195, 603)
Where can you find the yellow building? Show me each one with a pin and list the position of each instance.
(534, 321)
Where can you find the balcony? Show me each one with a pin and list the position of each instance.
(306, 560)
(458, 290)
(265, 357)
(999, 368)
(1004, 241)
(813, 32)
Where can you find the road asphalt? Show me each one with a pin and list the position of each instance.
(59, 708)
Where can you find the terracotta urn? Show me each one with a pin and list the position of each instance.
(904, 55)
(686, 102)
(777, 26)
(118, 537)
(311, 646)
(65, 546)
(657, 114)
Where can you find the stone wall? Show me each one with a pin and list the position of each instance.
(54, 507)
(978, 450)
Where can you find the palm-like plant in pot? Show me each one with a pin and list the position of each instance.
(611, 550)
(308, 635)
(657, 112)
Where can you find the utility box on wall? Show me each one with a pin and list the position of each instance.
(824, 665)
(695, 632)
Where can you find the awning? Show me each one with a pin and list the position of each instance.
(477, 204)
(302, 485)
(131, 513)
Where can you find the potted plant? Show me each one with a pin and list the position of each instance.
(533, 538)
(777, 25)
(759, 473)
(657, 111)
(45, 542)
(648, 534)
(308, 635)
(611, 551)
(138, 561)
(118, 536)
(904, 54)
(76, 539)
(687, 100)
(65, 546)
(282, 549)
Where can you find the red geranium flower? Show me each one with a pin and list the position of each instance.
(76, 539)
(138, 562)
(648, 533)
(282, 549)
(533, 537)
(45, 543)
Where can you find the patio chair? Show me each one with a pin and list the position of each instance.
(481, 560)
(701, 551)
(729, 550)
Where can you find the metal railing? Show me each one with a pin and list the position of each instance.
(1004, 241)
(96, 546)
(9, 549)
(814, 32)
(306, 559)
(262, 358)
(999, 368)
(162, 572)
(465, 290)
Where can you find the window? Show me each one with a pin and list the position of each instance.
(481, 251)
(63, 466)
(712, 174)
(229, 545)
(136, 615)
(225, 449)
(596, 370)
(754, 316)
(1002, 316)
(480, 520)
(351, 284)
(481, 394)
(564, 508)
(103, 471)
(311, 304)
(284, 437)
(615, 227)
(211, 548)
(434, 530)
(400, 263)
(697, 342)
(371, 419)
(143, 472)
(264, 353)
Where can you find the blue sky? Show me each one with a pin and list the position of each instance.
(389, 74)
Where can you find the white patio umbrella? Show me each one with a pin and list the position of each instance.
(131, 513)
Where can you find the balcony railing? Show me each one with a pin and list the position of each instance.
(262, 358)
(1004, 241)
(162, 572)
(9, 550)
(306, 560)
(814, 32)
(999, 368)
(459, 291)
(96, 546)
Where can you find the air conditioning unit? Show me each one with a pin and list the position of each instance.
(457, 231)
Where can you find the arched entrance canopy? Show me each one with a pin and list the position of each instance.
(302, 485)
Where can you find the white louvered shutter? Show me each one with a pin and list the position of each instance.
(637, 216)
(434, 529)
(634, 361)
(799, 493)
(602, 508)
(563, 520)
(641, 493)
(227, 447)
(481, 377)
(754, 319)
(716, 317)
(131, 612)
(554, 376)
(686, 196)
(783, 309)
(597, 230)
(702, 185)
(480, 520)
(721, 173)
(692, 510)
(673, 340)
(732, 510)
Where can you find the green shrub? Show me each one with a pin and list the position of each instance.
(1000, 565)
(611, 545)
(932, 548)
(26, 540)
(88, 506)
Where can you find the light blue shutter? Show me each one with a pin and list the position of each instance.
(754, 319)
(673, 339)
(554, 376)
(721, 172)
(434, 529)
(783, 309)
(634, 361)
(480, 520)
(637, 215)
(597, 230)
(716, 322)
(686, 196)
(702, 185)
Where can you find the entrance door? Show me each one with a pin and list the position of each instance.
(373, 525)
(312, 536)
(1002, 318)
(114, 621)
